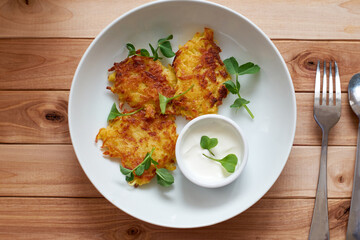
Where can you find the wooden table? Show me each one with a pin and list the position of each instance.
(45, 194)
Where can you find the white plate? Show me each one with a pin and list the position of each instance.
(270, 134)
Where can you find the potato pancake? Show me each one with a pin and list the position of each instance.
(138, 80)
(127, 139)
(198, 63)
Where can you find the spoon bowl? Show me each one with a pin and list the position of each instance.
(354, 93)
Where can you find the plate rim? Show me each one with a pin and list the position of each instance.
(293, 97)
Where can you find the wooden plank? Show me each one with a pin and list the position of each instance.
(34, 117)
(309, 133)
(42, 170)
(282, 19)
(41, 117)
(51, 63)
(301, 58)
(300, 175)
(53, 170)
(39, 63)
(54, 218)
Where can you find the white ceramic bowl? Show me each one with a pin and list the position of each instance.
(209, 121)
(270, 135)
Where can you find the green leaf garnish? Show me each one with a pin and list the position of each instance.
(125, 171)
(154, 162)
(230, 85)
(129, 177)
(154, 52)
(164, 177)
(166, 49)
(162, 40)
(248, 68)
(239, 103)
(114, 112)
(228, 162)
(208, 143)
(233, 67)
(163, 44)
(147, 163)
(165, 100)
(131, 49)
(140, 170)
(144, 52)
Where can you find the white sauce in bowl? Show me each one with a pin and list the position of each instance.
(200, 169)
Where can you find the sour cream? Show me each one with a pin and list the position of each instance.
(200, 169)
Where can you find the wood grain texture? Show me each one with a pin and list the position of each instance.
(300, 175)
(309, 133)
(42, 170)
(281, 19)
(53, 171)
(55, 218)
(301, 58)
(41, 117)
(51, 63)
(39, 64)
(33, 117)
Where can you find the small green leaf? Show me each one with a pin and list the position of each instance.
(161, 40)
(144, 53)
(230, 85)
(163, 102)
(124, 170)
(154, 162)
(231, 65)
(131, 49)
(114, 112)
(154, 52)
(129, 177)
(148, 159)
(166, 49)
(229, 162)
(147, 163)
(164, 177)
(239, 103)
(161, 182)
(140, 170)
(208, 143)
(248, 68)
(152, 49)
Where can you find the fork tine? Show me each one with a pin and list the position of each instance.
(337, 85)
(324, 90)
(317, 85)
(331, 99)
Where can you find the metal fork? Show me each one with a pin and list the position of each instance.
(326, 114)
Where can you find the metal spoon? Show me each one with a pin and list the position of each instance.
(353, 229)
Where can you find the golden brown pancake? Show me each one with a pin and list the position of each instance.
(127, 139)
(198, 63)
(138, 81)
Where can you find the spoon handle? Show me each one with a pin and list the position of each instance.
(353, 229)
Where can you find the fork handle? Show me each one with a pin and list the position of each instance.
(353, 229)
(319, 229)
